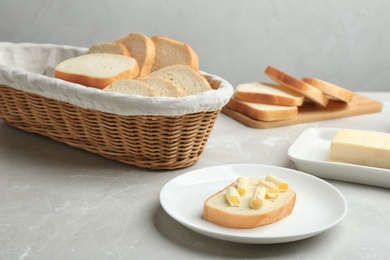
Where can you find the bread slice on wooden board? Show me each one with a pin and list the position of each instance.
(109, 47)
(131, 86)
(330, 89)
(170, 52)
(141, 48)
(163, 87)
(217, 208)
(262, 112)
(188, 79)
(258, 92)
(295, 84)
(97, 70)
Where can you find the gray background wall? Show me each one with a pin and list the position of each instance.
(345, 42)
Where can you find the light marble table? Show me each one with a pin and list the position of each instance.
(58, 202)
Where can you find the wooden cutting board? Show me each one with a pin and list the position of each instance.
(310, 112)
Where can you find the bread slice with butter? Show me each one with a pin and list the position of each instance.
(368, 148)
(250, 202)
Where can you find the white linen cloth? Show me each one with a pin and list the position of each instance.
(30, 67)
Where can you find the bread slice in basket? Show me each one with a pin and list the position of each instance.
(109, 47)
(97, 70)
(250, 202)
(163, 87)
(170, 52)
(131, 86)
(141, 48)
(185, 77)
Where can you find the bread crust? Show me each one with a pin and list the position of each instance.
(220, 216)
(249, 110)
(297, 85)
(268, 98)
(330, 89)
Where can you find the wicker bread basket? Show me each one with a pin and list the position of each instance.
(150, 136)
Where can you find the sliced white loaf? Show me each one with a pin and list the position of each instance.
(163, 87)
(268, 94)
(218, 210)
(97, 70)
(297, 85)
(331, 90)
(262, 112)
(141, 48)
(109, 47)
(131, 87)
(186, 78)
(170, 52)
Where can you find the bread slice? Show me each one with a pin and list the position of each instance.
(218, 210)
(163, 87)
(141, 48)
(97, 70)
(131, 87)
(262, 112)
(186, 78)
(109, 47)
(170, 52)
(268, 94)
(333, 91)
(297, 85)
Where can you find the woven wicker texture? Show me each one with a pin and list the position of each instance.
(154, 142)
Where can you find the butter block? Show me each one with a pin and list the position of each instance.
(360, 147)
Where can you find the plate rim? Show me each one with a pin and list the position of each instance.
(250, 239)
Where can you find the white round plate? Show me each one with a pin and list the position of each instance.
(319, 205)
